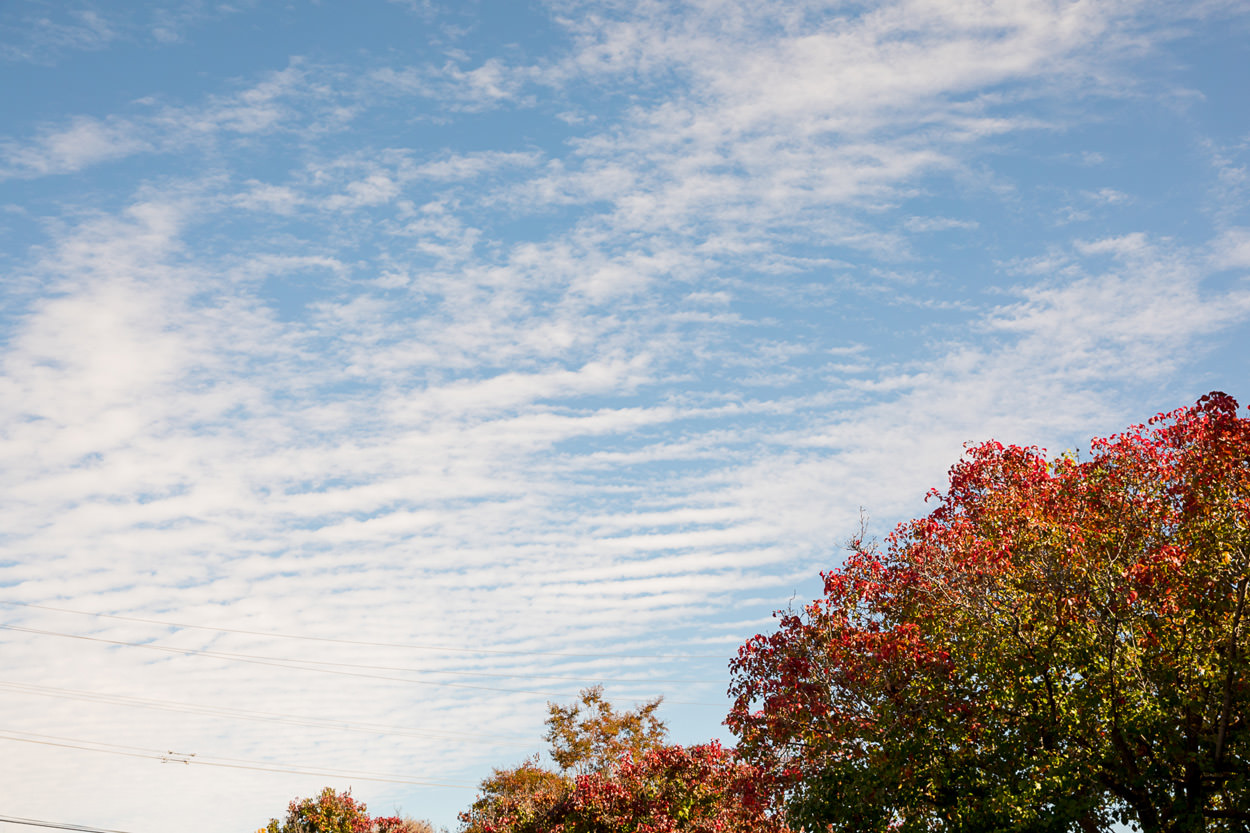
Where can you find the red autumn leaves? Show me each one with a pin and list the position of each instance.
(1057, 644)
(617, 774)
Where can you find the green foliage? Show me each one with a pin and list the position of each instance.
(515, 799)
(1057, 645)
(590, 736)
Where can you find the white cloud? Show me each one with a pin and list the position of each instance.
(85, 141)
(470, 165)
(44, 34)
(338, 392)
(490, 84)
(36, 37)
(938, 224)
(373, 190)
(1232, 249)
(275, 199)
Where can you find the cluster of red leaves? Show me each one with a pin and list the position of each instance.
(391, 824)
(334, 812)
(699, 789)
(1054, 640)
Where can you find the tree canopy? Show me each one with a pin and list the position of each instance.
(591, 736)
(1058, 644)
(335, 812)
(618, 776)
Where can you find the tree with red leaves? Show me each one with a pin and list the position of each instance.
(667, 789)
(696, 789)
(1057, 645)
(335, 812)
(329, 812)
(617, 776)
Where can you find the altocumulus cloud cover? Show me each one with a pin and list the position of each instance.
(520, 346)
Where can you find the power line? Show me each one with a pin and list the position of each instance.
(58, 825)
(359, 642)
(189, 759)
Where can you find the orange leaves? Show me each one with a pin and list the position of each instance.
(1046, 625)
(590, 735)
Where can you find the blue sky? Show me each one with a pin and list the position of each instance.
(526, 345)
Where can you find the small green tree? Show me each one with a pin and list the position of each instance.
(590, 736)
(515, 799)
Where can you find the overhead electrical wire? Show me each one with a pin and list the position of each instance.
(57, 825)
(192, 758)
(358, 642)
